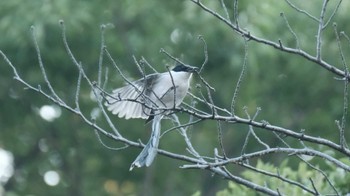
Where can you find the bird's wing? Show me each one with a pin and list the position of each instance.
(129, 101)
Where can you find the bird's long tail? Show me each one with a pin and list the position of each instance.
(149, 152)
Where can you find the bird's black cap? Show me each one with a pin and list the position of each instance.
(185, 68)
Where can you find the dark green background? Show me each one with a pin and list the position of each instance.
(291, 91)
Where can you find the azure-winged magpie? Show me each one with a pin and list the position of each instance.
(149, 98)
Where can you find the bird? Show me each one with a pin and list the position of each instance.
(151, 98)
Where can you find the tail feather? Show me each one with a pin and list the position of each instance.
(149, 152)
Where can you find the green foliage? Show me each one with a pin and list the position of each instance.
(302, 174)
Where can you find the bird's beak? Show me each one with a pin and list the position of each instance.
(192, 69)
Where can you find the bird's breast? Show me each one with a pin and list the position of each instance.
(171, 89)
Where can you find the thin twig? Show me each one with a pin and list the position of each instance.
(144, 61)
(41, 64)
(235, 12)
(140, 91)
(290, 151)
(183, 132)
(302, 11)
(180, 126)
(225, 9)
(211, 102)
(333, 14)
(80, 69)
(105, 79)
(278, 176)
(178, 61)
(245, 144)
(316, 168)
(173, 87)
(77, 91)
(343, 142)
(241, 76)
(314, 187)
(140, 67)
(108, 147)
(204, 101)
(117, 68)
(100, 60)
(278, 46)
(220, 138)
(346, 36)
(205, 50)
(251, 130)
(245, 182)
(171, 56)
(319, 32)
(270, 127)
(206, 83)
(291, 30)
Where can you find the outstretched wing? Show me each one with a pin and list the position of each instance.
(129, 101)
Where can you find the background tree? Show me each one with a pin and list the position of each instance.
(279, 69)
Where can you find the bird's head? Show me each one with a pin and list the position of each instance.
(184, 68)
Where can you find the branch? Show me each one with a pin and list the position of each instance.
(240, 79)
(273, 128)
(301, 11)
(290, 151)
(42, 65)
(278, 176)
(214, 163)
(320, 28)
(343, 142)
(291, 30)
(249, 36)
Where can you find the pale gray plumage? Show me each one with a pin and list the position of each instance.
(145, 98)
(149, 152)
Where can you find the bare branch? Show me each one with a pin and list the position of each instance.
(171, 56)
(265, 126)
(333, 14)
(183, 131)
(144, 61)
(240, 79)
(251, 130)
(77, 92)
(290, 151)
(100, 60)
(291, 30)
(173, 87)
(204, 101)
(314, 187)
(214, 162)
(235, 11)
(319, 32)
(247, 183)
(278, 176)
(105, 79)
(42, 65)
(311, 165)
(301, 11)
(108, 147)
(80, 68)
(220, 138)
(249, 36)
(225, 9)
(205, 48)
(343, 142)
